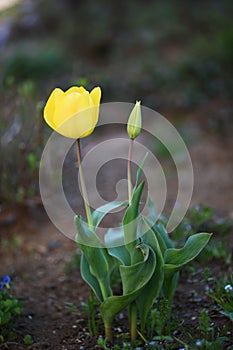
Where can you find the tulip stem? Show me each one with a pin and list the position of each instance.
(83, 187)
(133, 320)
(129, 170)
(108, 331)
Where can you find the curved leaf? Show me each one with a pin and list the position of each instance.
(99, 214)
(193, 246)
(114, 241)
(130, 219)
(134, 278)
(89, 278)
(175, 259)
(152, 289)
(100, 265)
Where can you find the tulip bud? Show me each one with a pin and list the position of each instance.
(135, 121)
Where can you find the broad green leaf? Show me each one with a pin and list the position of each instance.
(169, 285)
(114, 241)
(175, 259)
(134, 279)
(160, 239)
(136, 276)
(89, 278)
(161, 234)
(162, 230)
(114, 304)
(180, 257)
(152, 289)
(130, 219)
(99, 214)
(114, 237)
(84, 235)
(96, 257)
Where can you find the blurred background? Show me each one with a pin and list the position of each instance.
(175, 56)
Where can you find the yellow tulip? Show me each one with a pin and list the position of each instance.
(73, 113)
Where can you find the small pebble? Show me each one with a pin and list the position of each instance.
(54, 244)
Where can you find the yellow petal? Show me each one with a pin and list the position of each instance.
(79, 89)
(66, 108)
(50, 106)
(73, 115)
(79, 125)
(96, 95)
(84, 101)
(87, 121)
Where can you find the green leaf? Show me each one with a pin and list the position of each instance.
(175, 259)
(169, 285)
(114, 304)
(134, 278)
(152, 289)
(114, 241)
(99, 214)
(161, 234)
(89, 278)
(85, 236)
(130, 219)
(97, 258)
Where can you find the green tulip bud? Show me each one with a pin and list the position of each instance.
(135, 121)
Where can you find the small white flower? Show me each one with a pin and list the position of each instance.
(228, 288)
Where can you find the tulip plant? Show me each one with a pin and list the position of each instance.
(141, 249)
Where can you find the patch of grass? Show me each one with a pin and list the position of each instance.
(28, 339)
(221, 291)
(10, 309)
(209, 337)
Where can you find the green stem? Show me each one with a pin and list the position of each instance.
(108, 331)
(129, 170)
(107, 325)
(133, 320)
(83, 187)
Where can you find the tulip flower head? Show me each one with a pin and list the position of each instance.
(73, 113)
(135, 121)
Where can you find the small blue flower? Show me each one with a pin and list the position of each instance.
(6, 279)
(197, 207)
(2, 285)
